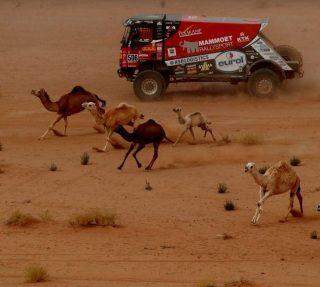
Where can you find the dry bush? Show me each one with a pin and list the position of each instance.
(295, 161)
(34, 274)
(225, 140)
(18, 218)
(1, 146)
(239, 283)
(53, 167)
(207, 284)
(249, 138)
(94, 217)
(45, 216)
(314, 234)
(222, 187)
(85, 158)
(229, 205)
(263, 169)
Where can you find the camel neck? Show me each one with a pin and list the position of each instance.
(98, 116)
(48, 104)
(124, 133)
(181, 118)
(259, 178)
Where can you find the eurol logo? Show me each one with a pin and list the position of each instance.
(190, 31)
(230, 61)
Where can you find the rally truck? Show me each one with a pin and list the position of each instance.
(160, 49)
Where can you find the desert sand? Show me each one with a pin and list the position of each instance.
(169, 236)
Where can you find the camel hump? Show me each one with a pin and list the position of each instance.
(124, 105)
(77, 89)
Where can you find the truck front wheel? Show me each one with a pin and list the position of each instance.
(263, 83)
(149, 85)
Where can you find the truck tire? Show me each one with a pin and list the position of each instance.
(289, 53)
(263, 83)
(149, 85)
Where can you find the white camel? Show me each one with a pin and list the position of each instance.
(278, 179)
(190, 121)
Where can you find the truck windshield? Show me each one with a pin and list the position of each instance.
(125, 37)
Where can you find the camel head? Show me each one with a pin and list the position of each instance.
(177, 110)
(90, 106)
(249, 167)
(40, 93)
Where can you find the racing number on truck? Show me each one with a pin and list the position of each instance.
(132, 58)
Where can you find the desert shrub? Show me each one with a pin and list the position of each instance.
(226, 139)
(229, 205)
(222, 187)
(1, 146)
(85, 158)
(263, 169)
(207, 284)
(45, 216)
(53, 167)
(238, 283)
(250, 138)
(94, 218)
(295, 161)
(18, 218)
(314, 234)
(34, 274)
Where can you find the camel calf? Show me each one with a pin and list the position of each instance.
(123, 114)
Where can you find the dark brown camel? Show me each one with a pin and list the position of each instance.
(67, 105)
(148, 132)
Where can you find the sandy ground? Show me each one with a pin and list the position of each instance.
(168, 235)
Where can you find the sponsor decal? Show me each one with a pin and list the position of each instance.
(132, 58)
(191, 69)
(190, 47)
(205, 66)
(243, 38)
(190, 31)
(148, 48)
(172, 52)
(192, 59)
(218, 40)
(231, 61)
(269, 54)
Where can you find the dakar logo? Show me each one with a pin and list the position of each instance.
(190, 32)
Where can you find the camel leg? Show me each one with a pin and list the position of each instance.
(192, 133)
(65, 125)
(180, 136)
(109, 134)
(155, 155)
(258, 212)
(290, 205)
(140, 147)
(210, 131)
(127, 154)
(51, 127)
(299, 195)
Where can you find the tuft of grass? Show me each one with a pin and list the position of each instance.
(1, 170)
(229, 205)
(222, 187)
(45, 216)
(295, 161)
(249, 138)
(1, 146)
(238, 283)
(314, 234)
(18, 218)
(34, 274)
(53, 167)
(85, 158)
(94, 217)
(226, 139)
(263, 169)
(207, 284)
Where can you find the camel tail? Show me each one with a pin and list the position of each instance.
(167, 139)
(299, 195)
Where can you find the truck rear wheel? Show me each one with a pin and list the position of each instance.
(263, 83)
(149, 85)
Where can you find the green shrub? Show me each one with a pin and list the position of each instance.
(314, 234)
(18, 218)
(295, 161)
(53, 167)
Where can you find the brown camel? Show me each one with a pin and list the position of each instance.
(67, 105)
(148, 132)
